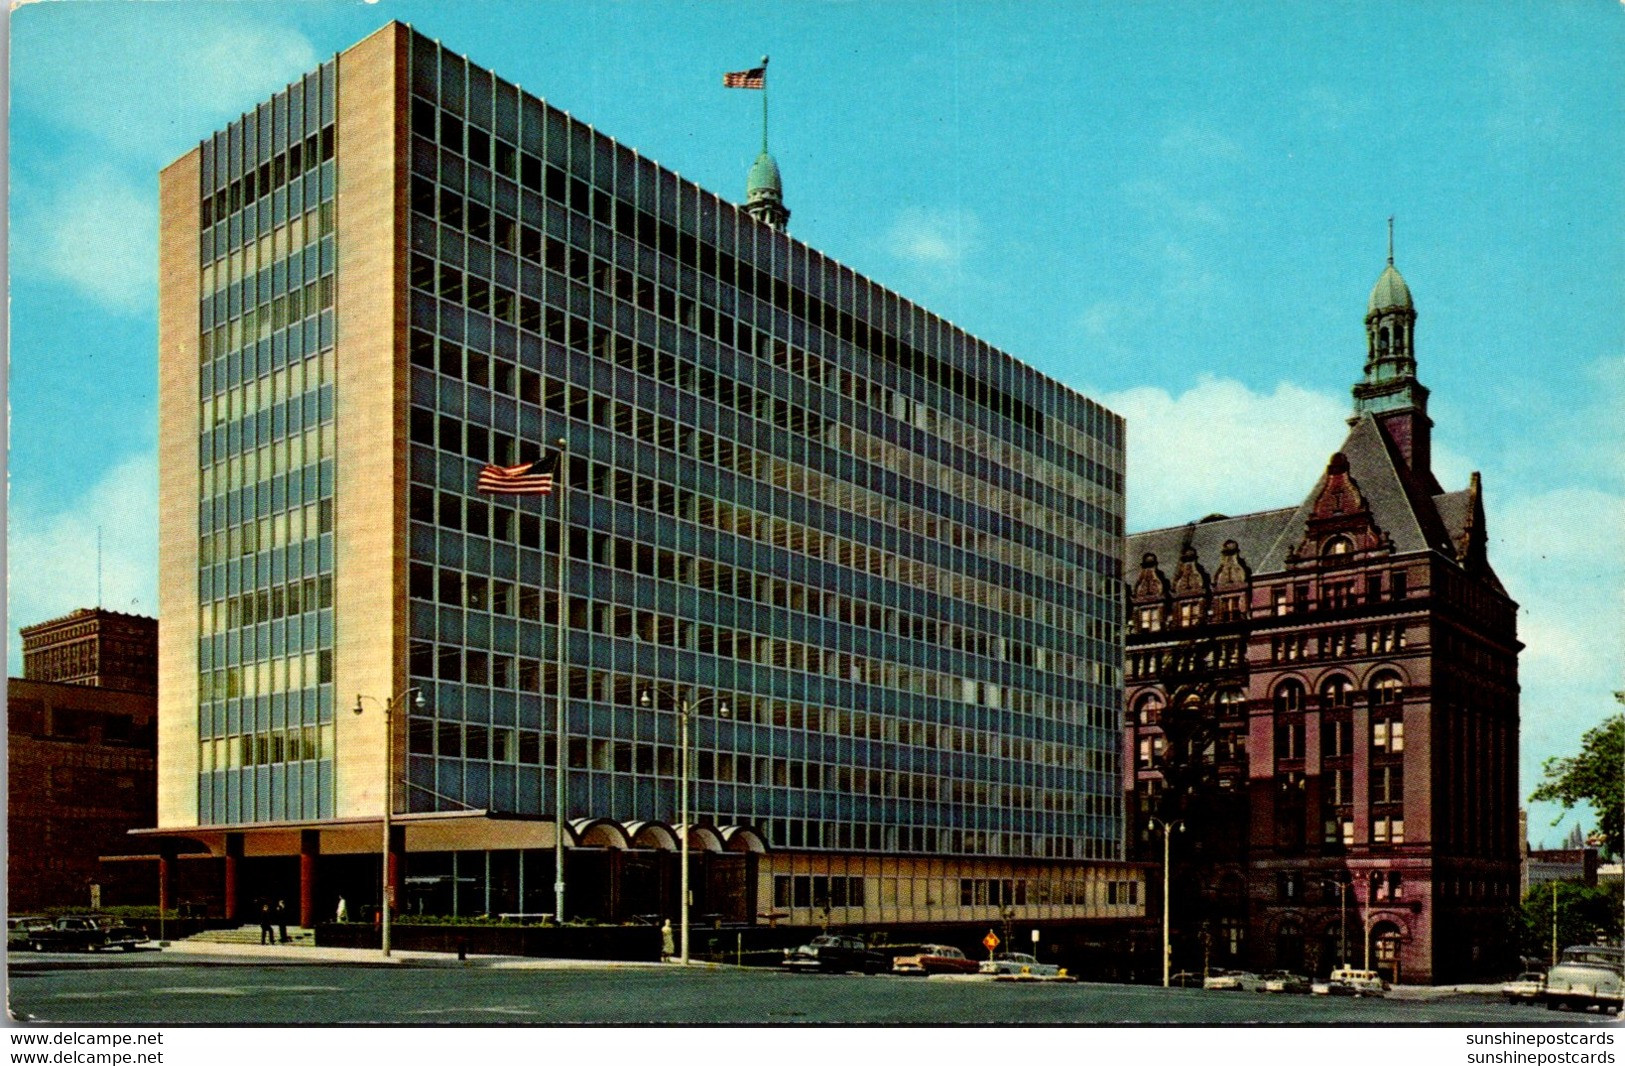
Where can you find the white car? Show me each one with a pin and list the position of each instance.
(1016, 964)
(1233, 981)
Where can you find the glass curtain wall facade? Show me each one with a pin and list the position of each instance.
(886, 547)
(879, 558)
(265, 451)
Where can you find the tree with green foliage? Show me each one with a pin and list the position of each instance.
(1585, 914)
(1595, 776)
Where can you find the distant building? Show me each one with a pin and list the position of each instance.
(1327, 696)
(96, 647)
(81, 773)
(1561, 864)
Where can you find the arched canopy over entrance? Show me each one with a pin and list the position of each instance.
(701, 837)
(599, 833)
(743, 838)
(652, 835)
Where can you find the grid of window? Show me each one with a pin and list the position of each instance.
(888, 550)
(266, 452)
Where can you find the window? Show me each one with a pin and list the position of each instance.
(1339, 545)
(1336, 692)
(1149, 709)
(1336, 739)
(1387, 690)
(1388, 735)
(1289, 696)
(1289, 739)
(1387, 784)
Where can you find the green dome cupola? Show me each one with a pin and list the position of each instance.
(764, 192)
(1390, 391)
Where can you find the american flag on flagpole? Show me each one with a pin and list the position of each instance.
(526, 479)
(754, 78)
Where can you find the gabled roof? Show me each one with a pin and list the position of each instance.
(1410, 523)
(1253, 534)
(1410, 513)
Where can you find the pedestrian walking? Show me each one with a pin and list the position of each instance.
(266, 936)
(282, 919)
(344, 911)
(667, 949)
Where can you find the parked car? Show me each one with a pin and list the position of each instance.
(1289, 983)
(1233, 981)
(835, 954)
(85, 933)
(1364, 982)
(1525, 988)
(1587, 976)
(1018, 964)
(1186, 979)
(19, 928)
(1333, 988)
(934, 958)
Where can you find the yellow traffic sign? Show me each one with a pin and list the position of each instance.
(990, 941)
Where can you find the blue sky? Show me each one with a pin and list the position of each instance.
(1177, 208)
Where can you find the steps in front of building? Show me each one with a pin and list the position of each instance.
(250, 934)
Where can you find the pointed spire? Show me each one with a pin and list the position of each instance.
(1390, 237)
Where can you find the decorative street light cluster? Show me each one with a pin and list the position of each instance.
(685, 770)
(388, 703)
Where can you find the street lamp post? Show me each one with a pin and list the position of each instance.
(1168, 829)
(685, 753)
(388, 703)
(1344, 884)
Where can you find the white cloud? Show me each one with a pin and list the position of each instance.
(109, 69)
(98, 232)
(51, 551)
(1221, 447)
(940, 238)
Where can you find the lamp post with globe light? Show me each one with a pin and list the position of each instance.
(685, 752)
(388, 704)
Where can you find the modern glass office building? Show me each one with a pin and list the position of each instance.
(876, 559)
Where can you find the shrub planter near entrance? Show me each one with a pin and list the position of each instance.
(619, 943)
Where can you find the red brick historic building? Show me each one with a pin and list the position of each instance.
(1322, 707)
(81, 761)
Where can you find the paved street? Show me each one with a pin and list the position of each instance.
(148, 987)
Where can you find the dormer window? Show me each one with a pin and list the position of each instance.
(1335, 546)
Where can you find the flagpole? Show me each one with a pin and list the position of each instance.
(560, 742)
(764, 105)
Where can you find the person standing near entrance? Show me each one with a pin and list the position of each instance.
(282, 920)
(266, 936)
(666, 947)
(343, 914)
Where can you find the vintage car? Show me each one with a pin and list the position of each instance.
(933, 958)
(19, 928)
(1233, 981)
(1018, 964)
(1290, 983)
(1363, 982)
(835, 954)
(1587, 976)
(85, 933)
(1524, 988)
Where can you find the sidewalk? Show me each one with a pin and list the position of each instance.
(284, 954)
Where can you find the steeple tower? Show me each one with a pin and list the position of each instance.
(1389, 391)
